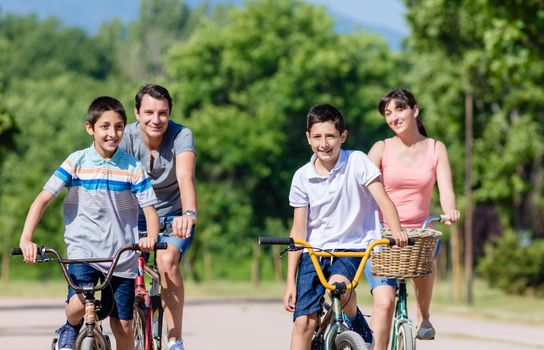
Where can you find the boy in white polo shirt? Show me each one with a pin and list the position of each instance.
(334, 198)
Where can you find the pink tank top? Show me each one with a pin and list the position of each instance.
(410, 188)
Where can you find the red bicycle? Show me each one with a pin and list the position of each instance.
(150, 332)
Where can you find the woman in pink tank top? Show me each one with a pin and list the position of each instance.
(411, 163)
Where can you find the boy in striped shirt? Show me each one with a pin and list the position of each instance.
(106, 187)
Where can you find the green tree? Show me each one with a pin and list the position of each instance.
(45, 49)
(245, 85)
(140, 48)
(494, 50)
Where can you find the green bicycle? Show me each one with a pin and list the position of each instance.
(402, 264)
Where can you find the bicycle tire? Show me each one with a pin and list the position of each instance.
(159, 328)
(139, 329)
(349, 340)
(97, 342)
(405, 338)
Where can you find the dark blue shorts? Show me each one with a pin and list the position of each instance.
(183, 244)
(309, 288)
(122, 288)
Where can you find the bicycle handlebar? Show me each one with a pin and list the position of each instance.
(432, 218)
(276, 241)
(314, 253)
(43, 251)
(263, 240)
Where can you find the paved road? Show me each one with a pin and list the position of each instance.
(238, 324)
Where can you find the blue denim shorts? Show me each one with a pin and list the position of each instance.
(183, 244)
(122, 288)
(309, 288)
(376, 281)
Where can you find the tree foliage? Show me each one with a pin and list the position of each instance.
(492, 49)
(245, 86)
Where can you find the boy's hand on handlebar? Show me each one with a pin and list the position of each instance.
(182, 225)
(290, 297)
(30, 251)
(147, 243)
(453, 217)
(401, 238)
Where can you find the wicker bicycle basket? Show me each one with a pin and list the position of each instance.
(409, 261)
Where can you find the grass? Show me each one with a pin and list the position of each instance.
(488, 303)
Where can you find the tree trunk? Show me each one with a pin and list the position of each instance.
(456, 265)
(255, 266)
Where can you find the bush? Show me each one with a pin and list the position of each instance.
(512, 266)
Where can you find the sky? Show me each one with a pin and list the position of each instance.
(379, 13)
(383, 16)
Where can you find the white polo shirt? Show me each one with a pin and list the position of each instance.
(341, 211)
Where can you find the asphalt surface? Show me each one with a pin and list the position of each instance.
(242, 324)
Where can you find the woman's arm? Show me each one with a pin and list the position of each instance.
(376, 153)
(445, 184)
(389, 211)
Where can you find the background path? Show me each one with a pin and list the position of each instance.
(241, 324)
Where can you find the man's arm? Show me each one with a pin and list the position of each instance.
(185, 174)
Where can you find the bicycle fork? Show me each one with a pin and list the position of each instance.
(331, 324)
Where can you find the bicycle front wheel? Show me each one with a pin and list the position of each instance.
(349, 340)
(405, 339)
(139, 330)
(94, 343)
(97, 342)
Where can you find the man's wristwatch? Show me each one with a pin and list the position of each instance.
(190, 212)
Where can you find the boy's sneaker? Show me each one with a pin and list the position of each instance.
(175, 345)
(67, 336)
(360, 326)
(425, 331)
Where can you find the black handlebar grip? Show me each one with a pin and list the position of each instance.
(161, 245)
(275, 240)
(411, 241)
(16, 251)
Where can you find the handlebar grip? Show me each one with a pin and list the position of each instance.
(275, 240)
(158, 245)
(161, 245)
(16, 251)
(411, 241)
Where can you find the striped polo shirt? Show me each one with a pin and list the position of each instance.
(101, 206)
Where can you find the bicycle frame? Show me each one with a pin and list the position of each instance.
(332, 323)
(401, 312)
(91, 325)
(401, 306)
(150, 303)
